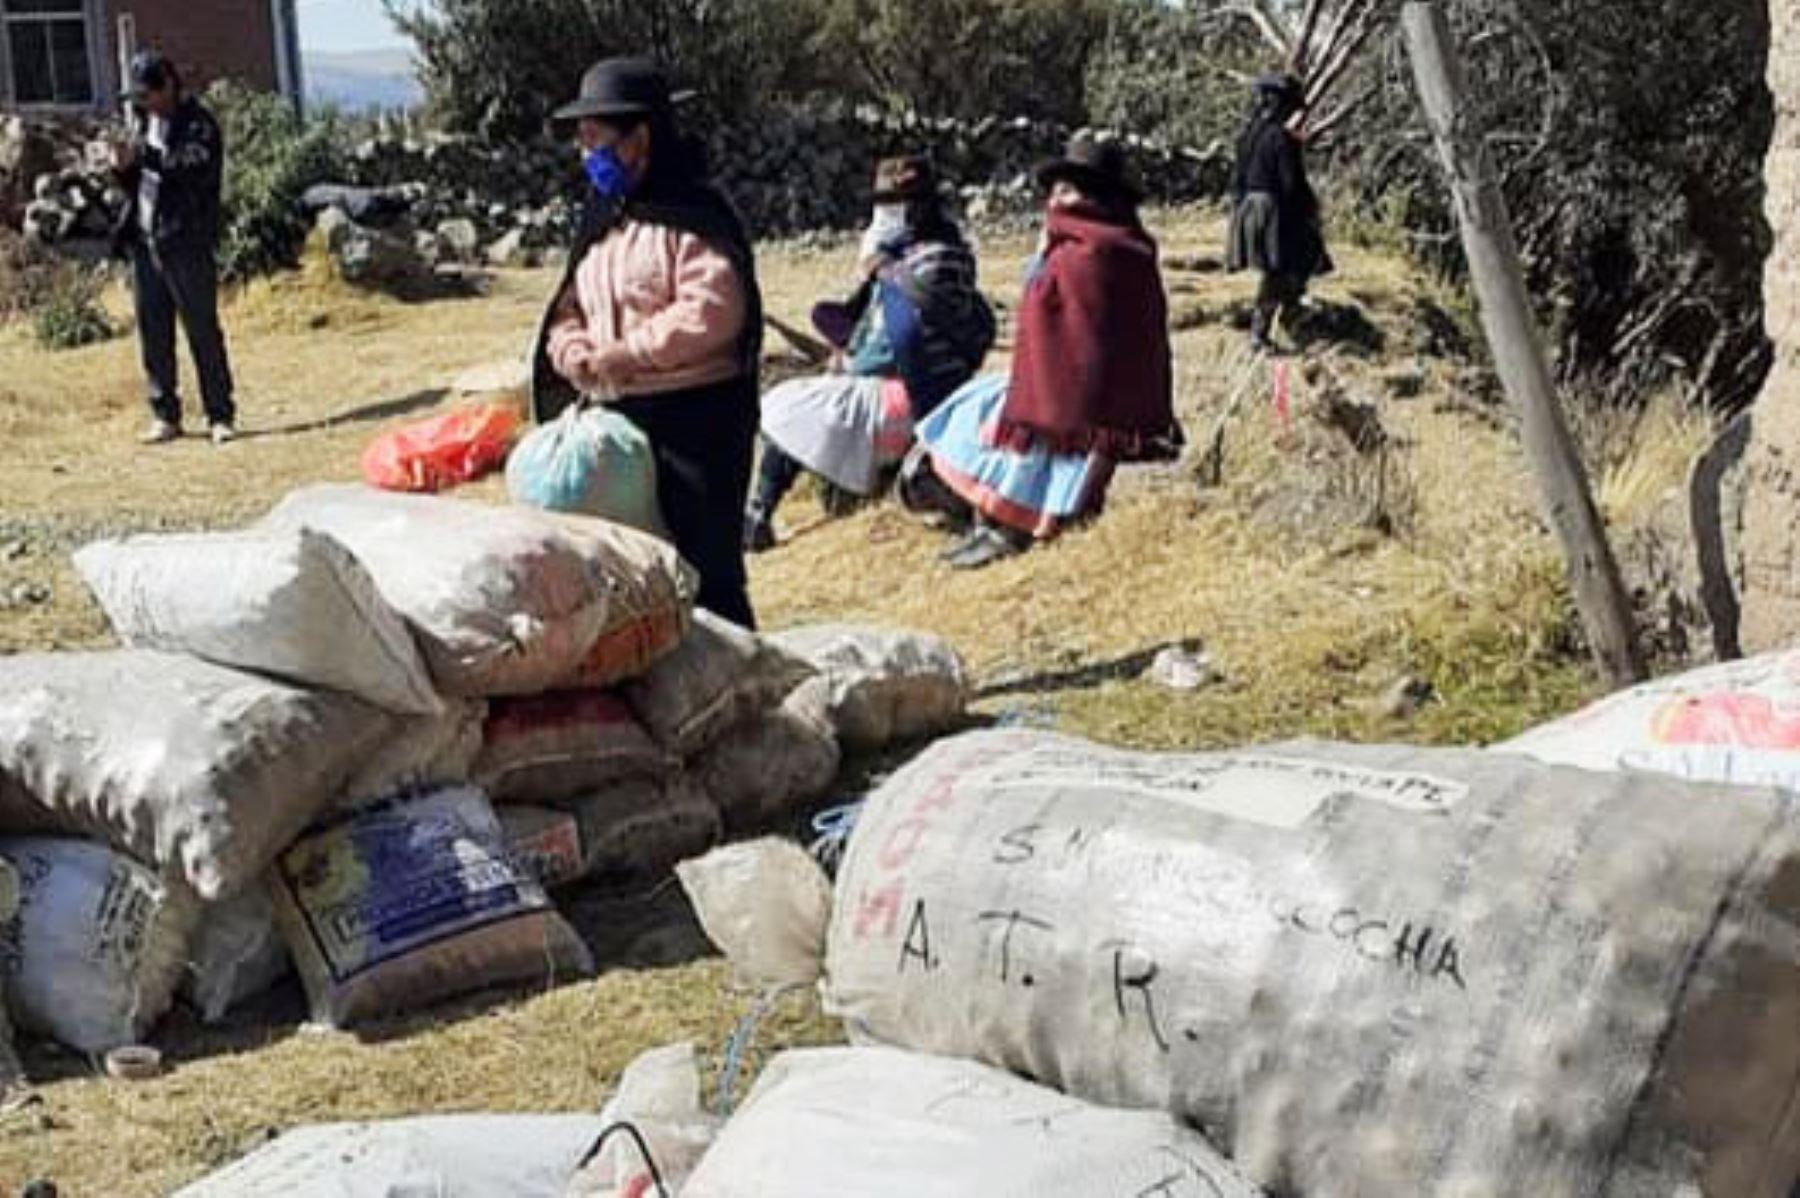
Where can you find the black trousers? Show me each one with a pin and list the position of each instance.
(181, 284)
(703, 441)
(1278, 295)
(775, 477)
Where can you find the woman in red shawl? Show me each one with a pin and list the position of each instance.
(1090, 386)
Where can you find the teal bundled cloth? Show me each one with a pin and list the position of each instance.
(590, 461)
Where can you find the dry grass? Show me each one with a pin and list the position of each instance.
(1310, 613)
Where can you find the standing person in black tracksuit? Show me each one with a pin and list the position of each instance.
(1275, 212)
(171, 172)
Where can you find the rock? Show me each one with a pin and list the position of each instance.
(1405, 698)
(511, 251)
(39, 1187)
(12, 551)
(28, 594)
(370, 257)
(1179, 669)
(1404, 382)
(461, 240)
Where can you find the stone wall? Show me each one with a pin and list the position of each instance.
(1771, 532)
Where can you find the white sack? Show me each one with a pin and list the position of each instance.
(293, 604)
(98, 946)
(659, 1095)
(879, 1123)
(441, 1156)
(882, 685)
(765, 904)
(193, 767)
(1735, 722)
(398, 907)
(420, 753)
(721, 675)
(508, 600)
(1358, 970)
(770, 767)
(238, 954)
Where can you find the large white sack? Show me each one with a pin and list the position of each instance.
(440, 1156)
(879, 1123)
(508, 600)
(294, 604)
(398, 907)
(720, 676)
(1735, 722)
(98, 945)
(202, 770)
(881, 685)
(238, 954)
(1358, 970)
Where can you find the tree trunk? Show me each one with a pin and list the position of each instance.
(1518, 353)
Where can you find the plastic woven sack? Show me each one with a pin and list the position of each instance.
(98, 946)
(1737, 722)
(508, 600)
(294, 604)
(197, 769)
(881, 685)
(878, 1123)
(436, 1156)
(720, 675)
(633, 832)
(1361, 970)
(768, 768)
(237, 955)
(766, 904)
(590, 461)
(399, 907)
(561, 746)
(443, 451)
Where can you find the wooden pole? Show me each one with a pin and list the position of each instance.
(1494, 265)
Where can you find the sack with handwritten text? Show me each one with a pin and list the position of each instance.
(1359, 970)
(877, 1123)
(1738, 721)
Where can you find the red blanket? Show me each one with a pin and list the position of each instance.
(1091, 358)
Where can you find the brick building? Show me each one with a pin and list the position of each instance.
(70, 55)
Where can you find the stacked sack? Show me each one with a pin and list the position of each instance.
(365, 738)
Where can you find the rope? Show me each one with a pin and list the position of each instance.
(739, 1044)
(831, 831)
(637, 1138)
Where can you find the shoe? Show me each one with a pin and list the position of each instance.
(160, 432)
(759, 534)
(223, 434)
(984, 549)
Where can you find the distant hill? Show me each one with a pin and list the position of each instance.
(362, 79)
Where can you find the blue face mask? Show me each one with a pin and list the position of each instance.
(607, 173)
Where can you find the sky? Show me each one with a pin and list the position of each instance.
(334, 26)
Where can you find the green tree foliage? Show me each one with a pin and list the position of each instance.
(272, 155)
(499, 67)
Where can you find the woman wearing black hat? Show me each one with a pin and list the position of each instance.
(916, 329)
(658, 316)
(1091, 383)
(1275, 213)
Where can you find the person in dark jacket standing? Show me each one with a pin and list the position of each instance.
(171, 173)
(659, 318)
(1275, 213)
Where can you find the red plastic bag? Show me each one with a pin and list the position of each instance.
(456, 447)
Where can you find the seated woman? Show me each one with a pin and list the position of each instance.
(658, 317)
(915, 330)
(1029, 452)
